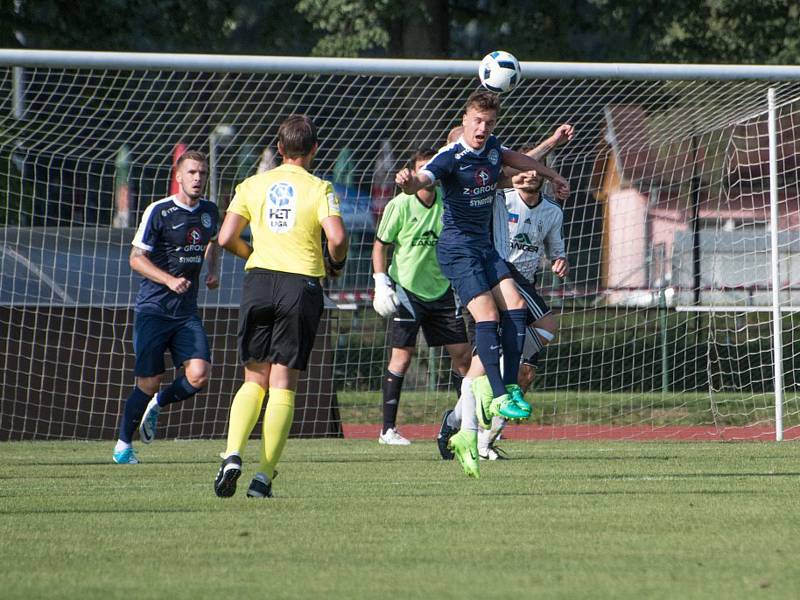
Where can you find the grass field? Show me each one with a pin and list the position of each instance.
(567, 407)
(352, 519)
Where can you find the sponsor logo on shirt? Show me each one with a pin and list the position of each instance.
(523, 242)
(482, 180)
(280, 210)
(194, 241)
(428, 238)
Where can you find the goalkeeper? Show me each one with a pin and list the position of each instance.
(414, 294)
(526, 225)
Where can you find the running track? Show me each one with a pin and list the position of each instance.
(596, 432)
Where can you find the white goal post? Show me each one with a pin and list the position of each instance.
(677, 320)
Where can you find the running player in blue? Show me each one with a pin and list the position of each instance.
(176, 235)
(468, 171)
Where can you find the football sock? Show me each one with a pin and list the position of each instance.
(533, 339)
(487, 342)
(456, 380)
(245, 408)
(469, 419)
(498, 424)
(277, 422)
(122, 446)
(454, 418)
(132, 414)
(513, 325)
(180, 389)
(392, 384)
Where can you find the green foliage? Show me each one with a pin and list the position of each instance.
(716, 31)
(351, 27)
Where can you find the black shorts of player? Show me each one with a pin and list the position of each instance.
(440, 320)
(537, 308)
(279, 317)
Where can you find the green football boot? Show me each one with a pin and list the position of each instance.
(505, 407)
(518, 398)
(482, 391)
(464, 445)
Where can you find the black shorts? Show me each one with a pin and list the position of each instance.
(279, 317)
(537, 308)
(440, 319)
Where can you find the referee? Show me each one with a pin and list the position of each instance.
(287, 209)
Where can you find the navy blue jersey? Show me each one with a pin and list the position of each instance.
(175, 236)
(468, 178)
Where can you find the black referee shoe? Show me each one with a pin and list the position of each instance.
(229, 471)
(445, 433)
(260, 488)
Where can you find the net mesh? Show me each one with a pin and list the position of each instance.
(669, 208)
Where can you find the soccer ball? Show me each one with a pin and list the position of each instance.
(499, 72)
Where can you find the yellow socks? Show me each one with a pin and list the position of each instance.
(245, 409)
(277, 422)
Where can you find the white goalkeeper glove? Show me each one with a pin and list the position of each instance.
(385, 302)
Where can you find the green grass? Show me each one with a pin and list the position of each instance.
(352, 519)
(568, 407)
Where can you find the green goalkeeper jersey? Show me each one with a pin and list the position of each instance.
(414, 230)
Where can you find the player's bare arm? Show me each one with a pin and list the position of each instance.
(230, 235)
(336, 236)
(212, 262)
(411, 182)
(140, 262)
(562, 135)
(522, 162)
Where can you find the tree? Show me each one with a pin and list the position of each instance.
(415, 29)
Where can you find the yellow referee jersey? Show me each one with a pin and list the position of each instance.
(285, 208)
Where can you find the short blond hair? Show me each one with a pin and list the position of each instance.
(482, 99)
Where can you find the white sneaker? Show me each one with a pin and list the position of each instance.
(486, 448)
(147, 427)
(392, 438)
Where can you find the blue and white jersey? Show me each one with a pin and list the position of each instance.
(523, 235)
(175, 236)
(469, 179)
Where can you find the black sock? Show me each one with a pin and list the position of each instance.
(513, 336)
(180, 389)
(392, 384)
(455, 381)
(132, 414)
(487, 342)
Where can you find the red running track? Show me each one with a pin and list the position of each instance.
(694, 433)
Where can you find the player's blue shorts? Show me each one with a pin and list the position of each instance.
(471, 268)
(153, 335)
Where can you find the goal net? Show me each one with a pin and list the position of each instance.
(665, 322)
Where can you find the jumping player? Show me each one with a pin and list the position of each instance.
(468, 171)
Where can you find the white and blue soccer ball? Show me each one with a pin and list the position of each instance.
(499, 72)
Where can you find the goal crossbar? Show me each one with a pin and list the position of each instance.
(387, 66)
